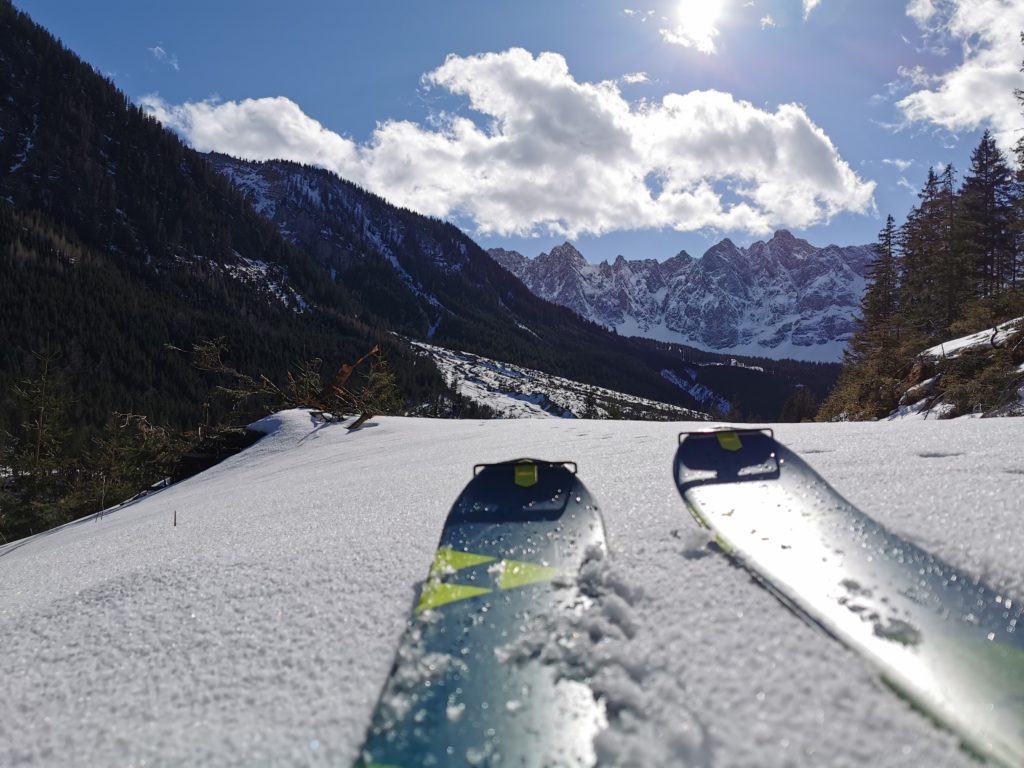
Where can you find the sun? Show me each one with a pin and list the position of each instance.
(697, 23)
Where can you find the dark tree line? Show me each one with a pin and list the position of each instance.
(956, 266)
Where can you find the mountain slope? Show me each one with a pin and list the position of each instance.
(118, 240)
(781, 298)
(428, 280)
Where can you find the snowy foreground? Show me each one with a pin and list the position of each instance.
(260, 629)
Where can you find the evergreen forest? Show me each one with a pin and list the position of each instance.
(954, 267)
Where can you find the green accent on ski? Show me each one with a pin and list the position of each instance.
(729, 441)
(519, 574)
(448, 560)
(436, 593)
(526, 475)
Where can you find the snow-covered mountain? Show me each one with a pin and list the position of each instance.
(259, 629)
(781, 298)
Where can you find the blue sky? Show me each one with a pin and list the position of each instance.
(641, 128)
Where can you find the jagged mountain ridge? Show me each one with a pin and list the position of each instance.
(780, 298)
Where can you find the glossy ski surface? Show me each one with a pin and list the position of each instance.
(948, 643)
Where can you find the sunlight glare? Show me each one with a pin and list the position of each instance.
(696, 23)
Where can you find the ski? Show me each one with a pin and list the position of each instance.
(948, 643)
(509, 553)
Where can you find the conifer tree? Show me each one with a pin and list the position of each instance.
(877, 352)
(985, 217)
(880, 330)
(932, 265)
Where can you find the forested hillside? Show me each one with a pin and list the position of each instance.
(954, 267)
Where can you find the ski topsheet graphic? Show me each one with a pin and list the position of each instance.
(509, 554)
(948, 643)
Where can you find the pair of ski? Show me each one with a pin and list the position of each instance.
(520, 531)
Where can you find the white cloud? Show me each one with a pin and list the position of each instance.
(980, 90)
(767, 21)
(916, 76)
(810, 5)
(898, 164)
(906, 185)
(161, 55)
(921, 11)
(560, 156)
(636, 77)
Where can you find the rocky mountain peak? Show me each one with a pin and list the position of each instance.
(781, 298)
(566, 253)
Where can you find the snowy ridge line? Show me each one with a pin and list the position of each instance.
(517, 392)
(991, 337)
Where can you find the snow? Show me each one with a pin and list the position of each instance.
(260, 629)
(263, 274)
(254, 186)
(828, 352)
(515, 392)
(981, 340)
(699, 392)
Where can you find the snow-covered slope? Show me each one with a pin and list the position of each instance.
(512, 391)
(259, 629)
(973, 359)
(781, 298)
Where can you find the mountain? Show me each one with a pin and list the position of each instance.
(781, 298)
(119, 246)
(124, 248)
(427, 280)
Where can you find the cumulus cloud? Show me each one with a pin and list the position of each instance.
(161, 55)
(636, 77)
(557, 156)
(767, 22)
(979, 91)
(810, 5)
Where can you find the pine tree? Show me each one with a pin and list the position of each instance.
(933, 269)
(985, 217)
(879, 350)
(879, 332)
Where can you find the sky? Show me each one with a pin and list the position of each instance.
(634, 128)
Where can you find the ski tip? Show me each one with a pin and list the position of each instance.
(526, 468)
(726, 435)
